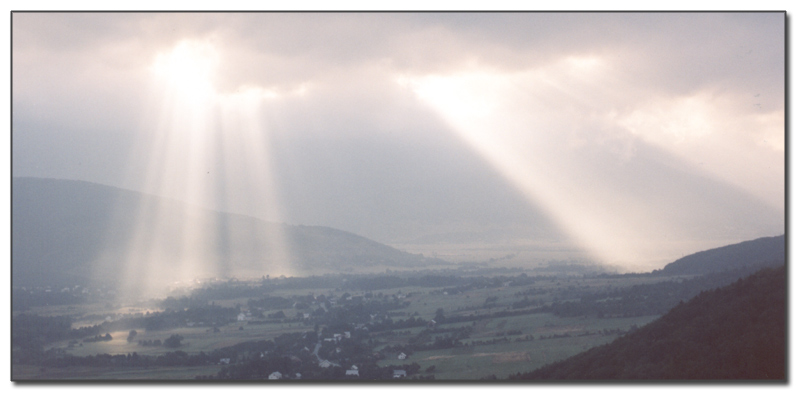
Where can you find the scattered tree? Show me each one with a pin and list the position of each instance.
(173, 341)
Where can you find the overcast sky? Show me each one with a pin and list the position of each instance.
(637, 136)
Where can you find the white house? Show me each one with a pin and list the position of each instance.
(275, 375)
(401, 356)
(399, 373)
(351, 372)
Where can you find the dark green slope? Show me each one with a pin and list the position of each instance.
(734, 332)
(762, 252)
(75, 232)
(58, 227)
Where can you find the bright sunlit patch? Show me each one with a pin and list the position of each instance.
(247, 97)
(583, 63)
(453, 94)
(188, 68)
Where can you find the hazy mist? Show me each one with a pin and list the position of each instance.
(632, 138)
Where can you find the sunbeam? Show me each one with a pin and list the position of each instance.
(200, 142)
(558, 163)
(246, 148)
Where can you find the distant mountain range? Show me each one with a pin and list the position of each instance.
(76, 232)
(734, 332)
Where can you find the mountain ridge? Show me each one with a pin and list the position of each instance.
(760, 252)
(81, 231)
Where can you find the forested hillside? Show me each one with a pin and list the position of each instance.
(734, 332)
(74, 232)
(762, 252)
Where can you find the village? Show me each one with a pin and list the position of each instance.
(410, 326)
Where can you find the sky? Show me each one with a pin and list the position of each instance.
(637, 137)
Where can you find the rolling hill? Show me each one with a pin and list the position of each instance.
(735, 332)
(766, 251)
(66, 232)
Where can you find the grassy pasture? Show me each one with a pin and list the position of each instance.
(502, 359)
(196, 339)
(475, 362)
(470, 362)
(545, 324)
(422, 302)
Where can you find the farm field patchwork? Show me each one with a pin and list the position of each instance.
(450, 326)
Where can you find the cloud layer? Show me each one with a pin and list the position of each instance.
(623, 132)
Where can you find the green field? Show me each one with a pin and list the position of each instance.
(196, 339)
(501, 341)
(502, 359)
(476, 362)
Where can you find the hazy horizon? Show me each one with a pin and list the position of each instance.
(635, 137)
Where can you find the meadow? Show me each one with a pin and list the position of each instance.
(501, 339)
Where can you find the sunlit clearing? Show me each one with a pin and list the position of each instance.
(206, 149)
